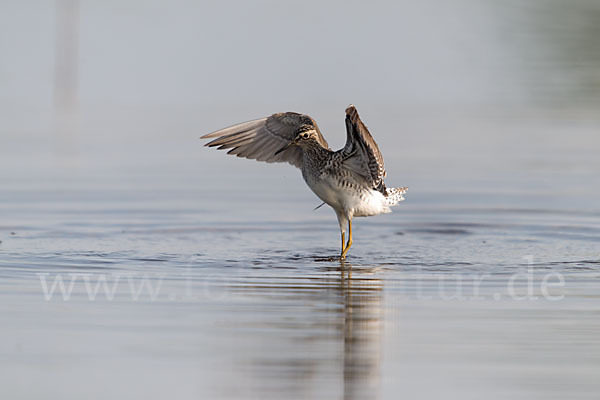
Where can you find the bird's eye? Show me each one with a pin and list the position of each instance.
(305, 136)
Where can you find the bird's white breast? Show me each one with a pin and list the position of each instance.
(349, 200)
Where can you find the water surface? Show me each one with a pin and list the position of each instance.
(222, 285)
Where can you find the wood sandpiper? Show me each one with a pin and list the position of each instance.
(349, 180)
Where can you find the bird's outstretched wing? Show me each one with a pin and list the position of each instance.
(261, 138)
(361, 153)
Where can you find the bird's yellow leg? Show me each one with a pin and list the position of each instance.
(343, 243)
(345, 249)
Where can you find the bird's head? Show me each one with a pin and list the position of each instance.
(305, 136)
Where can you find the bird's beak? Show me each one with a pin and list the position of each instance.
(290, 144)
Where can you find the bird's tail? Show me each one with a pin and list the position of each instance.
(394, 195)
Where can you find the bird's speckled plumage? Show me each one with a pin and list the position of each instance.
(349, 180)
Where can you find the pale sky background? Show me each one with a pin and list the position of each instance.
(189, 52)
(443, 85)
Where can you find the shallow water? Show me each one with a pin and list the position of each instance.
(220, 284)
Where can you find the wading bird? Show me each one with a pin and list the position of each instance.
(349, 180)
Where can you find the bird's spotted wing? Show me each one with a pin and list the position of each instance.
(361, 153)
(261, 138)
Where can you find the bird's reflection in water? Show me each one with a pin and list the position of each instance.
(313, 334)
(362, 333)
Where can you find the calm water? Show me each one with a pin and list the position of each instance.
(485, 282)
